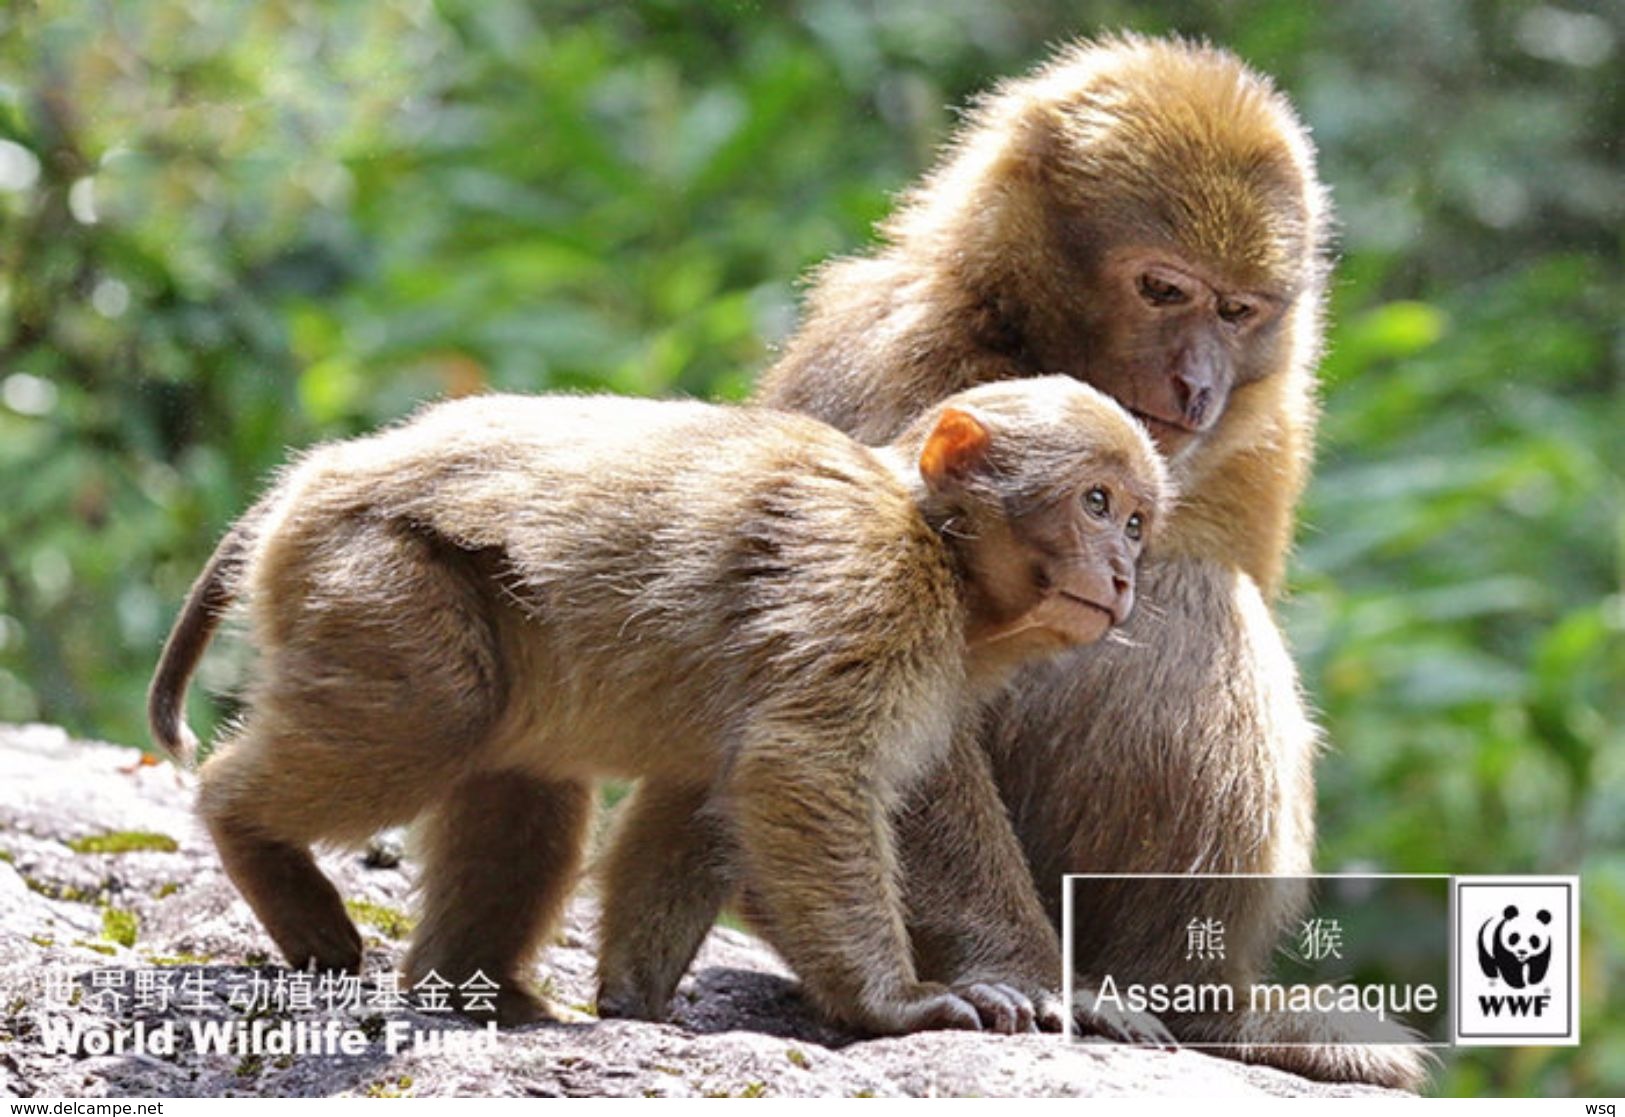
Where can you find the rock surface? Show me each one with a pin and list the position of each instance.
(114, 916)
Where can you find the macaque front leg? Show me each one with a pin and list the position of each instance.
(973, 915)
(816, 852)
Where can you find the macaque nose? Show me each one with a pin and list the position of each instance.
(1194, 398)
(1199, 377)
(1122, 588)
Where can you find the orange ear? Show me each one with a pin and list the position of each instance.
(956, 446)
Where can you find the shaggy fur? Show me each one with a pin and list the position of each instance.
(1185, 748)
(468, 618)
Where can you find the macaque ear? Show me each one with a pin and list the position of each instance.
(956, 445)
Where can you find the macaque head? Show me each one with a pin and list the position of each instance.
(1144, 216)
(1048, 493)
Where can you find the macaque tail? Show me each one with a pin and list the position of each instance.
(211, 595)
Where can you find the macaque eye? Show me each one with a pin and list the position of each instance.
(1097, 501)
(1234, 312)
(1135, 527)
(1159, 292)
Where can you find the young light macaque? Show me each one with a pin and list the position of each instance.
(466, 619)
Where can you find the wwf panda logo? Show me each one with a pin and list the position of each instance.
(1516, 948)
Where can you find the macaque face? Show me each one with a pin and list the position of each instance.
(1063, 574)
(1048, 538)
(1171, 339)
(1085, 552)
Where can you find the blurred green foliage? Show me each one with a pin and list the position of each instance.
(231, 227)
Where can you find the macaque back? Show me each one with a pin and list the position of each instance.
(635, 543)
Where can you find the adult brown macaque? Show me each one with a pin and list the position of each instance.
(1143, 215)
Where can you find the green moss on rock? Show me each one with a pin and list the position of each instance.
(386, 1089)
(51, 890)
(179, 959)
(395, 924)
(120, 926)
(125, 841)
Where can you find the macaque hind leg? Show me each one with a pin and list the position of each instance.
(816, 849)
(500, 856)
(667, 874)
(264, 807)
(298, 905)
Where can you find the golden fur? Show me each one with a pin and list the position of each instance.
(466, 619)
(1143, 215)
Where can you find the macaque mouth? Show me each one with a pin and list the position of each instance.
(1168, 426)
(1087, 604)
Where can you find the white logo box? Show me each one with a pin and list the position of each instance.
(1516, 973)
